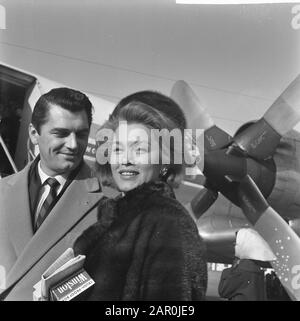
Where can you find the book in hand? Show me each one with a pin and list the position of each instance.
(64, 280)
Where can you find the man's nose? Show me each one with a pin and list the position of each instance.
(71, 141)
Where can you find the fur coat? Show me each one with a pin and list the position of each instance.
(145, 246)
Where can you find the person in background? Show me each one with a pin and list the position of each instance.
(145, 245)
(245, 280)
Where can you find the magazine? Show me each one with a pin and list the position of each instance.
(64, 279)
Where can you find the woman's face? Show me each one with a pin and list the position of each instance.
(133, 161)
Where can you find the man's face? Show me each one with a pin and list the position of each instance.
(62, 140)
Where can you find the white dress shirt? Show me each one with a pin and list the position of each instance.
(45, 189)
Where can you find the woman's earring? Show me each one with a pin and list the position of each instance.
(163, 173)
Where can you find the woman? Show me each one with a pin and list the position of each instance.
(145, 246)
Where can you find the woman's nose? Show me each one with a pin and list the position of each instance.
(127, 158)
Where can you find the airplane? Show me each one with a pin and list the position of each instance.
(85, 48)
(273, 165)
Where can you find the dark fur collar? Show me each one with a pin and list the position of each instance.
(138, 196)
(110, 208)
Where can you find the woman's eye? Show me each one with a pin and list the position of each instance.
(116, 150)
(141, 150)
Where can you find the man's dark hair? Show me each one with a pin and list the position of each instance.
(69, 99)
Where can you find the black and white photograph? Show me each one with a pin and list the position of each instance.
(149, 151)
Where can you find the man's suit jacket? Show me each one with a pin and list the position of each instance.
(23, 253)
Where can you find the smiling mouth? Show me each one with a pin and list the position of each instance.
(128, 173)
(69, 155)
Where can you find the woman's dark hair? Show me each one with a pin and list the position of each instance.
(155, 111)
(159, 102)
(66, 98)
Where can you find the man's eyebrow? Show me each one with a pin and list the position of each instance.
(59, 129)
(62, 129)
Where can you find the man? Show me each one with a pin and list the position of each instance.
(44, 207)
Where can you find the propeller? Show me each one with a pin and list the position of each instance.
(261, 139)
(283, 241)
(243, 170)
(214, 138)
(202, 202)
(198, 116)
(227, 160)
(196, 113)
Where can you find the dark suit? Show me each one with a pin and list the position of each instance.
(24, 253)
(243, 282)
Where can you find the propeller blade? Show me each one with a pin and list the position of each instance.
(201, 202)
(284, 114)
(261, 139)
(283, 241)
(196, 113)
(198, 117)
(216, 138)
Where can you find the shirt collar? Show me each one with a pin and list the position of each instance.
(43, 176)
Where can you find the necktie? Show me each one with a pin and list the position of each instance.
(45, 209)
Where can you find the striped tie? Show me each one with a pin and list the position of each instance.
(46, 207)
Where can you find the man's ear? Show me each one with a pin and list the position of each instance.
(33, 134)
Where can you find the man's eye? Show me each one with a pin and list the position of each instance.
(82, 135)
(60, 134)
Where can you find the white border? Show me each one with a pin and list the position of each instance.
(235, 1)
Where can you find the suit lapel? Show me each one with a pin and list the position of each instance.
(80, 196)
(18, 211)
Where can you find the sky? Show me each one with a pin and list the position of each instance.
(237, 58)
